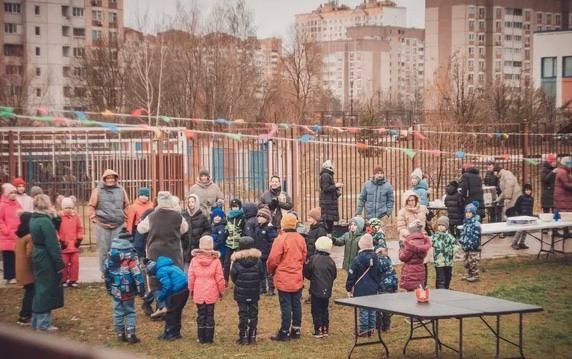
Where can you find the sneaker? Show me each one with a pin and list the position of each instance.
(121, 337)
(280, 337)
(472, 279)
(74, 285)
(51, 328)
(65, 284)
(318, 333)
(159, 313)
(170, 337)
(24, 321)
(13, 281)
(242, 341)
(325, 331)
(515, 247)
(132, 339)
(295, 333)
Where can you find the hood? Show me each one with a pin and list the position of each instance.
(547, 165)
(422, 184)
(24, 227)
(109, 172)
(473, 170)
(276, 191)
(327, 170)
(121, 244)
(318, 224)
(250, 209)
(234, 213)
(204, 185)
(205, 257)
(163, 261)
(406, 195)
(418, 241)
(451, 189)
(475, 218)
(197, 204)
(247, 257)
(378, 182)
(360, 223)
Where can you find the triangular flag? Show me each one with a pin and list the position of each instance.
(234, 136)
(59, 121)
(460, 154)
(43, 118)
(317, 128)
(419, 135)
(110, 126)
(361, 145)
(165, 118)
(505, 136)
(222, 121)
(138, 112)
(81, 116)
(408, 152)
(42, 111)
(305, 138)
(6, 112)
(435, 153)
(107, 113)
(284, 125)
(505, 157)
(189, 134)
(531, 161)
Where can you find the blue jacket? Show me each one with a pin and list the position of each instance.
(388, 275)
(377, 198)
(421, 189)
(219, 234)
(471, 234)
(171, 277)
(123, 279)
(367, 284)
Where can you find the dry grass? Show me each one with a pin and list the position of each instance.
(87, 318)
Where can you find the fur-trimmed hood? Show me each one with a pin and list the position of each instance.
(205, 253)
(245, 254)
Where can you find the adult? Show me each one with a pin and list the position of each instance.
(106, 208)
(491, 180)
(420, 186)
(9, 221)
(547, 179)
(509, 187)
(410, 211)
(207, 191)
(563, 185)
(26, 202)
(24, 269)
(198, 226)
(278, 201)
(376, 196)
(472, 187)
(47, 264)
(330, 191)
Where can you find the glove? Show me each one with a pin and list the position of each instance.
(273, 204)
(78, 243)
(63, 245)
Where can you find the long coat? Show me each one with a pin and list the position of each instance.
(563, 190)
(547, 178)
(329, 196)
(510, 189)
(47, 262)
(407, 215)
(472, 188)
(415, 249)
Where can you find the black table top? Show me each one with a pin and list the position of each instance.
(443, 303)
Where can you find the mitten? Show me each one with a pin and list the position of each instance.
(63, 245)
(78, 242)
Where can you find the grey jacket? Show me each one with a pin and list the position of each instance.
(377, 198)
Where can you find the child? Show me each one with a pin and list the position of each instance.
(71, 235)
(173, 292)
(264, 234)
(444, 248)
(455, 207)
(412, 253)
(206, 286)
(134, 215)
(350, 240)
(321, 271)
(235, 227)
(523, 207)
(471, 242)
(364, 278)
(388, 284)
(123, 280)
(219, 231)
(420, 186)
(247, 275)
(250, 211)
(317, 229)
(377, 233)
(10, 211)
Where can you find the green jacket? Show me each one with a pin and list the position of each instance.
(47, 262)
(444, 248)
(350, 241)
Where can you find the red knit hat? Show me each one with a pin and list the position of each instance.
(551, 157)
(18, 181)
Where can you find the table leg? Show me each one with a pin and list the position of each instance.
(498, 337)
(520, 336)
(382, 342)
(410, 334)
(356, 332)
(461, 338)
(436, 338)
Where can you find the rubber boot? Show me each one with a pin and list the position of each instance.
(252, 335)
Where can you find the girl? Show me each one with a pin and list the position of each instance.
(71, 235)
(9, 222)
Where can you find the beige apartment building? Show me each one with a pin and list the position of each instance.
(43, 43)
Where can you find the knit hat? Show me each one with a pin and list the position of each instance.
(176, 202)
(206, 243)
(566, 161)
(365, 242)
(374, 224)
(471, 208)
(415, 226)
(144, 191)
(245, 243)
(150, 266)
(315, 213)
(18, 181)
(265, 213)
(236, 203)
(204, 172)
(454, 184)
(527, 186)
(323, 244)
(289, 221)
(443, 221)
(7, 188)
(359, 222)
(328, 165)
(417, 173)
(551, 157)
(217, 212)
(164, 200)
(378, 169)
(36, 190)
(68, 202)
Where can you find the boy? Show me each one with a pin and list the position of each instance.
(374, 228)
(444, 248)
(173, 292)
(388, 284)
(524, 207)
(317, 229)
(350, 241)
(455, 207)
(134, 216)
(123, 280)
(320, 269)
(219, 231)
(471, 242)
(235, 227)
(247, 275)
(264, 234)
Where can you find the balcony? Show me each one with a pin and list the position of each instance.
(96, 23)
(113, 24)
(96, 3)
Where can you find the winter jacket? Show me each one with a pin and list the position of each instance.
(219, 234)
(286, 261)
(388, 275)
(23, 251)
(379, 240)
(422, 189)
(377, 198)
(9, 222)
(247, 272)
(547, 179)
(250, 221)
(198, 226)
(329, 194)
(26, 202)
(455, 206)
(123, 278)
(470, 238)
(70, 232)
(263, 238)
(524, 205)
(46, 263)
(368, 284)
(444, 248)
(209, 193)
(271, 199)
(491, 180)
(412, 254)
(321, 271)
(350, 242)
(135, 212)
(510, 189)
(472, 187)
(206, 280)
(407, 215)
(563, 190)
(107, 204)
(235, 227)
(171, 277)
(316, 231)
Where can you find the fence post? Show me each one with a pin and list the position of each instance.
(296, 201)
(525, 149)
(11, 157)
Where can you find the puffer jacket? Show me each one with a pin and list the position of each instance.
(524, 205)
(491, 180)
(206, 279)
(472, 187)
(246, 272)
(271, 199)
(171, 277)
(263, 238)
(108, 204)
(368, 284)
(470, 238)
(350, 242)
(321, 271)
(250, 221)
(455, 205)
(219, 234)
(388, 275)
(509, 187)
(407, 215)
(198, 226)
(377, 199)
(316, 231)
(547, 179)
(209, 193)
(415, 249)
(563, 190)
(70, 232)
(123, 278)
(329, 194)
(9, 222)
(286, 261)
(235, 227)
(422, 189)
(444, 248)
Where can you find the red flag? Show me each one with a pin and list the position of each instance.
(138, 112)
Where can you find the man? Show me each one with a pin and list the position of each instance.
(208, 192)
(26, 202)
(376, 196)
(276, 200)
(106, 208)
(509, 187)
(491, 180)
(472, 188)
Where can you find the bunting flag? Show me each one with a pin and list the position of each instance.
(138, 112)
(504, 136)
(393, 132)
(361, 145)
(460, 154)
(505, 157)
(317, 128)
(435, 153)
(189, 134)
(308, 129)
(419, 135)
(352, 129)
(239, 120)
(284, 125)
(107, 113)
(305, 138)
(43, 118)
(41, 111)
(498, 135)
(408, 152)
(81, 116)
(532, 161)
(234, 136)
(165, 119)
(223, 121)
(110, 126)
(6, 112)
(60, 121)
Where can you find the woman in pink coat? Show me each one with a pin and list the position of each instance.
(206, 286)
(412, 253)
(9, 221)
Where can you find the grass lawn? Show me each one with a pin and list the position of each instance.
(87, 318)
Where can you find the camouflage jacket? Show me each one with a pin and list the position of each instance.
(444, 248)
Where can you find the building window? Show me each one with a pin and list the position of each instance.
(79, 92)
(79, 31)
(10, 28)
(481, 12)
(471, 25)
(38, 71)
(13, 70)
(96, 35)
(38, 92)
(112, 19)
(78, 52)
(66, 51)
(37, 51)
(65, 31)
(112, 4)
(96, 18)
(499, 13)
(37, 30)
(557, 20)
(77, 11)
(548, 67)
(13, 8)
(548, 19)
(68, 91)
(539, 18)
(481, 26)
(567, 66)
(36, 9)
(13, 50)
(471, 11)
(66, 71)
(498, 26)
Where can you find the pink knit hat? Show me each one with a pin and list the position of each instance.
(7, 188)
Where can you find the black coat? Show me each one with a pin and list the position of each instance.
(198, 226)
(250, 210)
(321, 271)
(524, 205)
(472, 187)
(455, 206)
(263, 238)
(246, 273)
(329, 194)
(316, 231)
(547, 178)
(491, 180)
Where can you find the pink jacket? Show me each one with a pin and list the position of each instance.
(70, 231)
(206, 280)
(415, 249)
(9, 222)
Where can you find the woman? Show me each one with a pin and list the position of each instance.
(563, 185)
(547, 178)
(411, 210)
(329, 193)
(9, 222)
(47, 263)
(198, 226)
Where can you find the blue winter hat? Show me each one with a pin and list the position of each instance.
(471, 208)
(217, 212)
(144, 191)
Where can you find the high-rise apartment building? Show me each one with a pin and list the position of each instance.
(44, 42)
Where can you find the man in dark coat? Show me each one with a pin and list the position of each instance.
(329, 194)
(276, 200)
(472, 187)
(547, 177)
(455, 208)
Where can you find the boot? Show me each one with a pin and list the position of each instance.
(295, 333)
(280, 336)
(242, 338)
(251, 335)
(132, 339)
(201, 335)
(318, 332)
(209, 335)
(121, 337)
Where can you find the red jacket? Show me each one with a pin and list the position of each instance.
(415, 248)
(563, 190)
(206, 280)
(9, 222)
(70, 231)
(286, 261)
(134, 213)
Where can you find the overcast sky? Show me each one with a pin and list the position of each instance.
(272, 17)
